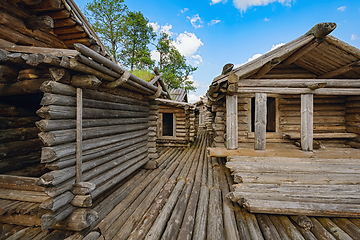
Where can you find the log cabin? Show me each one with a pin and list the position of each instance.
(73, 122)
(289, 121)
(177, 120)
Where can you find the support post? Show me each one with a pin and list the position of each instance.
(78, 135)
(307, 109)
(232, 121)
(260, 121)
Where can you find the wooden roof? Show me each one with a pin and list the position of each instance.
(315, 55)
(179, 95)
(59, 24)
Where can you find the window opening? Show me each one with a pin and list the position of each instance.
(168, 124)
(270, 115)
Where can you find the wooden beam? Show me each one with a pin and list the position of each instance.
(307, 112)
(232, 122)
(301, 52)
(299, 83)
(294, 91)
(260, 121)
(341, 70)
(79, 135)
(28, 49)
(266, 68)
(39, 22)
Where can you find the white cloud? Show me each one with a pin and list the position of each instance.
(195, 59)
(187, 43)
(213, 22)
(184, 10)
(195, 21)
(354, 37)
(276, 46)
(266, 19)
(217, 1)
(155, 55)
(193, 98)
(155, 26)
(255, 56)
(242, 5)
(342, 8)
(166, 29)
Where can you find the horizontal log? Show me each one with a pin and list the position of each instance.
(94, 153)
(317, 107)
(20, 162)
(23, 195)
(85, 81)
(53, 125)
(50, 219)
(323, 135)
(20, 147)
(299, 83)
(78, 220)
(57, 202)
(20, 183)
(137, 163)
(92, 168)
(309, 209)
(295, 178)
(65, 112)
(18, 134)
(22, 87)
(82, 201)
(61, 100)
(320, 91)
(66, 136)
(63, 89)
(50, 154)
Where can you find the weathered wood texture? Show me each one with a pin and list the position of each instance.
(290, 186)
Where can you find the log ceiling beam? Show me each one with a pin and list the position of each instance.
(299, 83)
(301, 52)
(340, 70)
(266, 68)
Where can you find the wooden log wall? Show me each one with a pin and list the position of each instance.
(352, 118)
(329, 114)
(153, 117)
(218, 123)
(184, 126)
(19, 144)
(115, 143)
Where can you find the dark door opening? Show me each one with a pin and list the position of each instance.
(270, 116)
(168, 124)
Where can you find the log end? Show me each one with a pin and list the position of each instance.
(320, 30)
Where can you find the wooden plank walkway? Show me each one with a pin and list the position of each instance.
(185, 198)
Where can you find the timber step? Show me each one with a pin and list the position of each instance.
(296, 186)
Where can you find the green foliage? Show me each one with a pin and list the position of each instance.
(143, 74)
(137, 35)
(173, 65)
(106, 17)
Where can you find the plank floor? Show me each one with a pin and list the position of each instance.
(185, 199)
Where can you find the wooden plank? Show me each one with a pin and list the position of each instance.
(295, 208)
(307, 109)
(294, 135)
(23, 195)
(19, 183)
(260, 121)
(293, 91)
(79, 108)
(299, 83)
(232, 122)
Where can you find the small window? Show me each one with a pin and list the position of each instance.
(168, 124)
(270, 115)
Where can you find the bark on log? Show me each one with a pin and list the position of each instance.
(65, 112)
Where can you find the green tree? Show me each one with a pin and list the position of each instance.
(107, 18)
(137, 35)
(173, 65)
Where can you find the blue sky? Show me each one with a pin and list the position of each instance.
(211, 33)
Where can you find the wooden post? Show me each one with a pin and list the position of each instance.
(307, 109)
(232, 121)
(78, 135)
(260, 121)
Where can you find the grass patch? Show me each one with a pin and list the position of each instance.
(145, 75)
